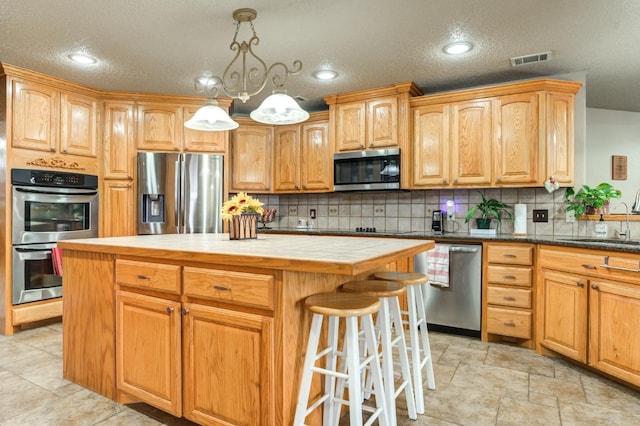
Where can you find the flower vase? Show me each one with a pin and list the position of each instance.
(244, 226)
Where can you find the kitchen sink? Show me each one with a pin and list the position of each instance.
(603, 241)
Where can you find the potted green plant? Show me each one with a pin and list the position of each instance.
(590, 200)
(490, 209)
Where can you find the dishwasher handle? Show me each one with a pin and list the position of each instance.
(457, 249)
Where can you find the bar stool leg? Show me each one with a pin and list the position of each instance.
(415, 349)
(353, 370)
(426, 348)
(307, 371)
(378, 387)
(387, 358)
(332, 407)
(396, 318)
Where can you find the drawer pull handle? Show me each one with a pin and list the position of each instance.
(510, 298)
(588, 266)
(220, 288)
(509, 324)
(619, 268)
(142, 277)
(509, 255)
(169, 309)
(509, 277)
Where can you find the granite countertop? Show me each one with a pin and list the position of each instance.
(611, 244)
(341, 254)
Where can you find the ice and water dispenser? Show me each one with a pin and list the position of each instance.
(153, 208)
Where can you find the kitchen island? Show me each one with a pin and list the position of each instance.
(203, 327)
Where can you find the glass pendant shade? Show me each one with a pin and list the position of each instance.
(211, 118)
(279, 109)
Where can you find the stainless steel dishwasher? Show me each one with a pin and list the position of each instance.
(457, 307)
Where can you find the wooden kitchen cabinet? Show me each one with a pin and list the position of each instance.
(369, 124)
(159, 126)
(515, 135)
(118, 212)
(251, 158)
(78, 125)
(303, 157)
(119, 145)
(508, 309)
(228, 376)
(149, 350)
(36, 111)
(589, 304)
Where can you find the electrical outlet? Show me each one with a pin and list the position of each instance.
(312, 213)
(570, 217)
(541, 215)
(293, 210)
(333, 211)
(378, 211)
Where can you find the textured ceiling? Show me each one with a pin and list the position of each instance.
(162, 45)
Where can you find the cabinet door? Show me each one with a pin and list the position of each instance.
(79, 125)
(563, 312)
(316, 165)
(560, 137)
(516, 139)
(251, 158)
(471, 151)
(228, 377)
(148, 356)
(350, 126)
(382, 123)
(159, 127)
(614, 329)
(119, 156)
(35, 116)
(430, 146)
(286, 152)
(197, 140)
(118, 209)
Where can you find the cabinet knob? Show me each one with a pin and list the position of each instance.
(361, 145)
(455, 181)
(445, 181)
(595, 287)
(580, 284)
(296, 187)
(498, 179)
(185, 311)
(169, 309)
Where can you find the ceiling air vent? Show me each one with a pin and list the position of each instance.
(530, 59)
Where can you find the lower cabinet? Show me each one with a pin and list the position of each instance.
(589, 309)
(209, 364)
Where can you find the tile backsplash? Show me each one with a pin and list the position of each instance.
(410, 211)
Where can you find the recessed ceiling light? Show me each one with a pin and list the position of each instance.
(458, 48)
(325, 74)
(82, 58)
(207, 81)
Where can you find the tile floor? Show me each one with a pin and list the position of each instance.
(478, 383)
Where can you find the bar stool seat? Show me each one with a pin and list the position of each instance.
(391, 334)
(418, 333)
(351, 307)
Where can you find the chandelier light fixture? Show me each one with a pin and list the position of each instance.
(244, 77)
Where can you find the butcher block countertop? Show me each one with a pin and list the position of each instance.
(325, 254)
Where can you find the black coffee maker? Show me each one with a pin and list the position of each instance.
(438, 218)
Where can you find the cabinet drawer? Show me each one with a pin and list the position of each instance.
(153, 276)
(507, 322)
(510, 254)
(509, 275)
(514, 297)
(230, 286)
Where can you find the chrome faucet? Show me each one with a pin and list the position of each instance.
(627, 234)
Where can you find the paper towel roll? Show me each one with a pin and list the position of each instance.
(520, 219)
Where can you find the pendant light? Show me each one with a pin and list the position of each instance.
(211, 118)
(279, 108)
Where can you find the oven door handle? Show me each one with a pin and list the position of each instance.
(33, 254)
(57, 191)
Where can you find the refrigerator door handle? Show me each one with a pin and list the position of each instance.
(177, 200)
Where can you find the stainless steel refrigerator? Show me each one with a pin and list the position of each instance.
(179, 193)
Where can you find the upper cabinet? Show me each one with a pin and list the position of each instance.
(303, 158)
(119, 140)
(52, 120)
(251, 152)
(159, 126)
(510, 135)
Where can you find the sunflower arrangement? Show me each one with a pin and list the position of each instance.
(241, 203)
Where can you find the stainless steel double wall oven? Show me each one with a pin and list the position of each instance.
(48, 206)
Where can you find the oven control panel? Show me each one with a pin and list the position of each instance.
(53, 178)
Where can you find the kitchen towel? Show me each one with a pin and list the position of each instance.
(520, 219)
(56, 258)
(438, 264)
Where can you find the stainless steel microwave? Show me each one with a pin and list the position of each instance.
(367, 170)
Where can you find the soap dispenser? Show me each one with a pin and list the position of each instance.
(601, 228)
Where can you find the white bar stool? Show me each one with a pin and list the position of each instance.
(418, 334)
(351, 307)
(389, 326)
